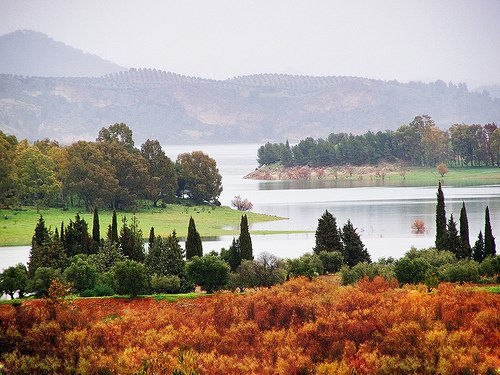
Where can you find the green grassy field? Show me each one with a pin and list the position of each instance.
(16, 227)
(461, 176)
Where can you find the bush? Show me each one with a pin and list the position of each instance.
(130, 277)
(308, 265)
(43, 278)
(81, 274)
(209, 272)
(351, 275)
(266, 271)
(332, 261)
(98, 291)
(412, 271)
(165, 284)
(490, 266)
(14, 279)
(461, 271)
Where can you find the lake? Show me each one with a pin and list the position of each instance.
(382, 213)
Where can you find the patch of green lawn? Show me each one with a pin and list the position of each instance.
(16, 227)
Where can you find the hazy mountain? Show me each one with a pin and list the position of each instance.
(493, 90)
(175, 108)
(32, 53)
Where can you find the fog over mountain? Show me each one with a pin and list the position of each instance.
(31, 53)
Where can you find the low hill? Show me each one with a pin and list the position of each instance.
(179, 109)
(31, 53)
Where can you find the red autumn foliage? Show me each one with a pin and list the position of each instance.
(299, 327)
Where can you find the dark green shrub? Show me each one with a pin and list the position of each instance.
(165, 284)
(98, 291)
(130, 277)
(81, 274)
(209, 272)
(351, 275)
(411, 271)
(461, 271)
(308, 265)
(490, 266)
(332, 261)
(43, 278)
(14, 279)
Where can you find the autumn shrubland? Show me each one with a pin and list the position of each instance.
(300, 327)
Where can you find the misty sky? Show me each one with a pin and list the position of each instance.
(405, 40)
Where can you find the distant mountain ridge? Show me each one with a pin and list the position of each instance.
(32, 53)
(180, 109)
(68, 95)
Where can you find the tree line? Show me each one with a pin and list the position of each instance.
(108, 173)
(419, 143)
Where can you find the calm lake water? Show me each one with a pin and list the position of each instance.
(382, 214)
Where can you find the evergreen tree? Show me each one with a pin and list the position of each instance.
(96, 231)
(46, 250)
(354, 251)
(107, 256)
(41, 234)
(232, 256)
(287, 157)
(440, 220)
(130, 241)
(56, 235)
(62, 232)
(327, 234)
(478, 249)
(245, 240)
(452, 240)
(465, 249)
(113, 229)
(151, 238)
(174, 256)
(76, 238)
(193, 241)
(489, 240)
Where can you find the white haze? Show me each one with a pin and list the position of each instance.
(405, 40)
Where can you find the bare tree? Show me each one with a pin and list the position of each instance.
(241, 204)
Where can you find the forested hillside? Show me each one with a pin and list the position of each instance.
(176, 109)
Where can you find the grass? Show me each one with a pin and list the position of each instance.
(16, 227)
(491, 289)
(462, 176)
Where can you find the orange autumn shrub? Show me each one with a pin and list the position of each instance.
(300, 327)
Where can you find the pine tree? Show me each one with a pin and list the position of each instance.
(489, 240)
(56, 235)
(287, 157)
(465, 249)
(354, 251)
(96, 231)
(478, 249)
(113, 229)
(245, 240)
(232, 256)
(327, 234)
(76, 237)
(194, 245)
(440, 220)
(452, 240)
(151, 238)
(41, 234)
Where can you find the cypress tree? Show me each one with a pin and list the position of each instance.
(41, 234)
(287, 157)
(151, 238)
(76, 237)
(193, 241)
(233, 255)
(245, 240)
(96, 230)
(62, 232)
(327, 234)
(130, 241)
(440, 220)
(452, 240)
(113, 229)
(465, 249)
(489, 240)
(56, 235)
(478, 249)
(354, 251)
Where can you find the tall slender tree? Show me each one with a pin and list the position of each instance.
(131, 242)
(113, 229)
(96, 231)
(478, 250)
(61, 236)
(151, 239)
(287, 156)
(452, 239)
(327, 234)
(354, 251)
(440, 220)
(489, 240)
(245, 240)
(465, 249)
(194, 246)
